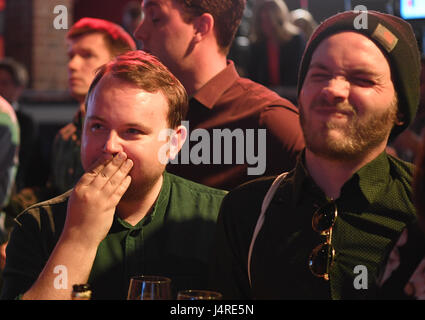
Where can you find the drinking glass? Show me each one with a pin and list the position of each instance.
(148, 287)
(198, 295)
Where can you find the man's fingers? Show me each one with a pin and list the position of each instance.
(100, 164)
(121, 189)
(104, 176)
(95, 169)
(118, 176)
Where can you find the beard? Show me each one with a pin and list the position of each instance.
(139, 189)
(354, 139)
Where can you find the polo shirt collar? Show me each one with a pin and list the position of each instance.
(303, 182)
(211, 92)
(370, 180)
(78, 120)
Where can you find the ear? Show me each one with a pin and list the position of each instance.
(203, 26)
(177, 140)
(400, 119)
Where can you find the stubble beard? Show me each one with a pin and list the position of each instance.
(137, 191)
(354, 139)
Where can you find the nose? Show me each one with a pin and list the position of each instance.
(73, 63)
(113, 144)
(337, 90)
(141, 31)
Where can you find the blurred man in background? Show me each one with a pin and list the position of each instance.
(31, 170)
(91, 43)
(193, 38)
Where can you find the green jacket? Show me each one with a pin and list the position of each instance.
(373, 208)
(173, 241)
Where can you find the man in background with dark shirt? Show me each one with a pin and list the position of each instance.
(192, 38)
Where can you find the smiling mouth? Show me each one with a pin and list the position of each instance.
(337, 109)
(333, 111)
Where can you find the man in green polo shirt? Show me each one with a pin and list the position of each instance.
(126, 216)
(325, 229)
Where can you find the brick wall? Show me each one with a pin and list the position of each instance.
(17, 31)
(49, 57)
(30, 38)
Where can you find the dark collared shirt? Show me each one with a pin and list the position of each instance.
(373, 208)
(230, 102)
(65, 171)
(66, 168)
(174, 241)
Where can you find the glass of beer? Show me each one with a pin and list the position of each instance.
(148, 287)
(198, 295)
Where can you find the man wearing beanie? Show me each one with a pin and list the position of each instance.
(324, 230)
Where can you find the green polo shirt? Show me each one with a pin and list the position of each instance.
(174, 241)
(374, 206)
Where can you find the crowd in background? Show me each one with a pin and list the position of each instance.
(268, 49)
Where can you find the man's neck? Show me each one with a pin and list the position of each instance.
(133, 208)
(203, 69)
(330, 175)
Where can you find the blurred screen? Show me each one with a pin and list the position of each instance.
(412, 9)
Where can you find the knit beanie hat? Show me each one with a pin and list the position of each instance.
(396, 39)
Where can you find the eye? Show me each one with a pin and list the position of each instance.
(319, 76)
(87, 55)
(132, 134)
(133, 131)
(96, 127)
(362, 81)
(152, 14)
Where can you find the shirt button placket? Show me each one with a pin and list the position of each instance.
(134, 252)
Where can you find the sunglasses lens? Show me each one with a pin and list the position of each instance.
(324, 218)
(319, 258)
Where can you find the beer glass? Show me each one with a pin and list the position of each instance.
(147, 287)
